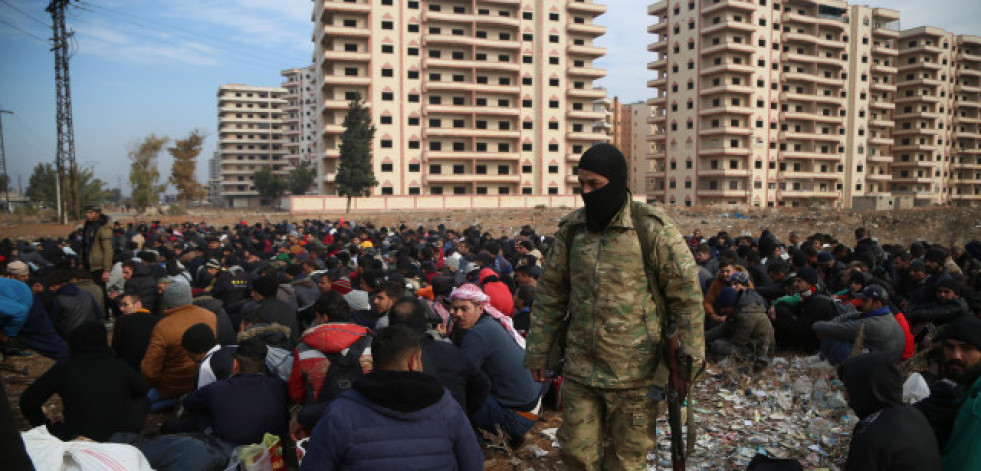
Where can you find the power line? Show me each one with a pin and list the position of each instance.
(32, 35)
(22, 12)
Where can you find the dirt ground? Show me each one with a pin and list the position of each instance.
(946, 226)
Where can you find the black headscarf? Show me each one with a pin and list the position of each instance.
(606, 202)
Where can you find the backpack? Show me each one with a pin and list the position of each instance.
(344, 369)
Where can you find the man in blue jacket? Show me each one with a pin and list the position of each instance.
(395, 417)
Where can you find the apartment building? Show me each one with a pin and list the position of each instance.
(967, 122)
(250, 138)
(771, 103)
(629, 132)
(483, 97)
(301, 124)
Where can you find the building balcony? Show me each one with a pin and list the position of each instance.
(470, 86)
(588, 51)
(743, 89)
(967, 120)
(879, 159)
(728, 25)
(882, 105)
(430, 109)
(805, 155)
(455, 40)
(898, 146)
(918, 98)
(970, 72)
(338, 104)
(658, 28)
(807, 117)
(346, 7)
(810, 136)
(804, 174)
(346, 80)
(471, 132)
(661, 46)
(795, 18)
(433, 63)
(919, 65)
(717, 193)
(726, 109)
(881, 123)
(964, 56)
(728, 67)
(884, 51)
(587, 136)
(744, 5)
(725, 130)
(880, 141)
(660, 64)
(586, 72)
(725, 172)
(879, 177)
(658, 83)
(807, 194)
(586, 6)
(330, 31)
(596, 93)
(333, 129)
(591, 30)
(657, 9)
(914, 180)
(586, 114)
(344, 56)
(884, 69)
(916, 114)
(918, 81)
(726, 151)
(961, 88)
(923, 48)
(728, 46)
(884, 87)
(810, 78)
(464, 155)
(898, 132)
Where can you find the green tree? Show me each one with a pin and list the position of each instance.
(355, 176)
(301, 178)
(41, 186)
(143, 172)
(268, 185)
(185, 152)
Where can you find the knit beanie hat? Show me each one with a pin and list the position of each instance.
(266, 286)
(973, 249)
(90, 337)
(176, 294)
(252, 348)
(936, 255)
(18, 268)
(966, 328)
(603, 204)
(809, 275)
(198, 339)
(739, 277)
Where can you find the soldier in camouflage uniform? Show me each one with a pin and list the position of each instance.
(596, 280)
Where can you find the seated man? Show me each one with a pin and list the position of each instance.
(101, 394)
(132, 331)
(792, 323)
(70, 306)
(889, 433)
(328, 358)
(465, 380)
(166, 365)
(395, 417)
(213, 361)
(880, 330)
(746, 332)
(949, 305)
(488, 338)
(247, 405)
(271, 310)
(962, 358)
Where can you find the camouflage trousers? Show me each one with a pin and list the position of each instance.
(608, 429)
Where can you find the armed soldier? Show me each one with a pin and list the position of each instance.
(619, 273)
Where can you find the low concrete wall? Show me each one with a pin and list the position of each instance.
(331, 204)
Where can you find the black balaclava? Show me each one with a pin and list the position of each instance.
(606, 202)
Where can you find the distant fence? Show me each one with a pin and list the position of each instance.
(332, 204)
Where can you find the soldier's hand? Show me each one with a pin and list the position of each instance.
(539, 375)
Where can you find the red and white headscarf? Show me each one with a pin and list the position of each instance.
(473, 293)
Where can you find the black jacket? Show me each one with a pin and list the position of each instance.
(70, 308)
(937, 312)
(793, 327)
(468, 384)
(272, 310)
(100, 393)
(889, 435)
(132, 335)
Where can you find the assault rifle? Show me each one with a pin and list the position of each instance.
(678, 366)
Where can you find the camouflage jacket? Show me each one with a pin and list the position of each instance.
(615, 323)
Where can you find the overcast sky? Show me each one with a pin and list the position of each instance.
(143, 66)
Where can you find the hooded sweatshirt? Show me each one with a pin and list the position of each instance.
(394, 420)
(890, 434)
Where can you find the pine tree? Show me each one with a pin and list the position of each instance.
(301, 178)
(185, 152)
(355, 176)
(268, 185)
(143, 172)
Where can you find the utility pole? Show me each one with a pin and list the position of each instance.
(69, 208)
(3, 165)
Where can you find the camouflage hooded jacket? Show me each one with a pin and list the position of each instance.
(599, 279)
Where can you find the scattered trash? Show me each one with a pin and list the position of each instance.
(794, 409)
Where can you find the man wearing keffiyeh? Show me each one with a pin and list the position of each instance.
(488, 338)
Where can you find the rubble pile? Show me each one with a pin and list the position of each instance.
(794, 409)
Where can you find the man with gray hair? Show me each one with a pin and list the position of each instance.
(166, 365)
